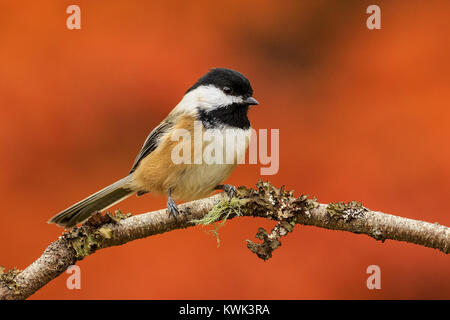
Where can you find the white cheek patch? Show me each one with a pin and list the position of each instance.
(206, 97)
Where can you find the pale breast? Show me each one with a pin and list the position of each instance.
(222, 150)
(214, 155)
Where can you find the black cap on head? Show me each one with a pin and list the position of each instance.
(222, 77)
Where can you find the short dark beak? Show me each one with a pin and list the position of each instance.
(251, 101)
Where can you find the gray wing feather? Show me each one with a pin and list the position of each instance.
(152, 141)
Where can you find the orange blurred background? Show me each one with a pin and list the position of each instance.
(363, 115)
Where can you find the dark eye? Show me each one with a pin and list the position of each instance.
(227, 90)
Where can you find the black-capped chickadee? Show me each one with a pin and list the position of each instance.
(217, 102)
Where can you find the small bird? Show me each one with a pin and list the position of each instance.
(218, 102)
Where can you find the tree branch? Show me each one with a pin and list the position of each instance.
(102, 231)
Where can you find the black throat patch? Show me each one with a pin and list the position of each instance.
(234, 115)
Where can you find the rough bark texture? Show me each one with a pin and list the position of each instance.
(102, 231)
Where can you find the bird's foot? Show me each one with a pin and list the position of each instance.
(172, 206)
(229, 190)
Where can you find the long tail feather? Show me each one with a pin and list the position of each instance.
(100, 200)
